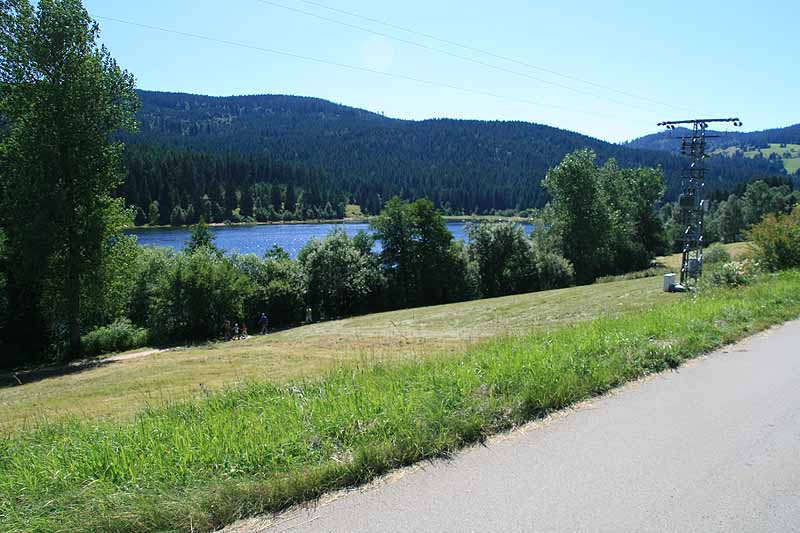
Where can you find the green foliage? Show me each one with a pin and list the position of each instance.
(731, 220)
(716, 253)
(554, 271)
(201, 237)
(504, 258)
(422, 268)
(760, 199)
(63, 99)
(364, 242)
(153, 213)
(340, 278)
(733, 273)
(734, 211)
(787, 153)
(279, 287)
(113, 282)
(580, 214)
(151, 272)
(605, 216)
(4, 306)
(198, 293)
(178, 468)
(632, 195)
(463, 281)
(119, 336)
(777, 240)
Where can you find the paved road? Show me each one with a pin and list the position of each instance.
(714, 446)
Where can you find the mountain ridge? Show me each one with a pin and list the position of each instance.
(462, 164)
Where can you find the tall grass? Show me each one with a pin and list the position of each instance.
(260, 447)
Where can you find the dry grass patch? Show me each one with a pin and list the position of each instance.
(119, 389)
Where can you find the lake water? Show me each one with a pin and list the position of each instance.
(257, 239)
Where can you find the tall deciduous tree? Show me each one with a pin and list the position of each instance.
(580, 213)
(422, 263)
(631, 196)
(339, 276)
(504, 258)
(63, 98)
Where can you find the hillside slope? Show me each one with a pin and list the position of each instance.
(466, 164)
(773, 145)
(668, 140)
(119, 388)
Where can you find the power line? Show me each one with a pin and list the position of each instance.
(451, 54)
(491, 54)
(355, 67)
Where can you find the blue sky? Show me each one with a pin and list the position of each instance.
(716, 58)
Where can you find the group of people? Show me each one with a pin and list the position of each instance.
(239, 331)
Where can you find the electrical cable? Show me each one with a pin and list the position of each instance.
(355, 67)
(492, 54)
(457, 56)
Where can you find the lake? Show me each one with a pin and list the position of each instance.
(257, 239)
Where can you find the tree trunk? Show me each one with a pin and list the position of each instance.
(73, 294)
(72, 287)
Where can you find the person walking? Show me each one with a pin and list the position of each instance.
(263, 322)
(244, 330)
(226, 329)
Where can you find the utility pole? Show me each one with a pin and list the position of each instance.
(691, 202)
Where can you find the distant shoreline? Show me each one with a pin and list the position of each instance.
(350, 220)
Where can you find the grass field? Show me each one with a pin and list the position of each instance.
(789, 154)
(121, 388)
(260, 447)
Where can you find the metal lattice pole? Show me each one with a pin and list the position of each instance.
(691, 202)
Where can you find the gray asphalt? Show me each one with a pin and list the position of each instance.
(713, 446)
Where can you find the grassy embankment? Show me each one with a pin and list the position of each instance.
(261, 447)
(121, 388)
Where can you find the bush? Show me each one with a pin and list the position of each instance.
(195, 297)
(554, 271)
(777, 240)
(734, 273)
(716, 253)
(153, 265)
(339, 277)
(119, 336)
(278, 288)
(504, 258)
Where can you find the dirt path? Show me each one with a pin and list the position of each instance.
(133, 355)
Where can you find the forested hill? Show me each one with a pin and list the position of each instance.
(670, 140)
(191, 150)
